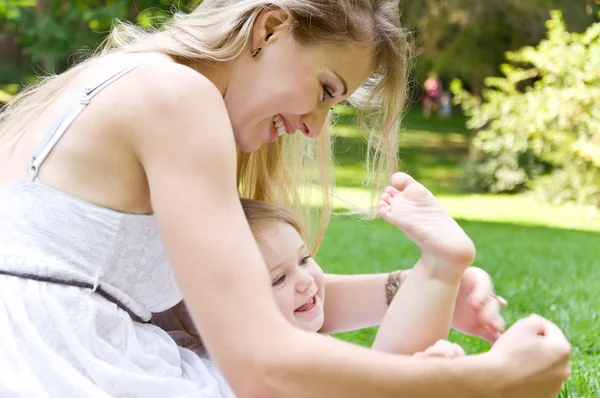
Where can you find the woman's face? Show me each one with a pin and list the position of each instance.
(287, 85)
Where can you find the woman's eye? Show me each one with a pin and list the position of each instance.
(327, 94)
(278, 281)
(304, 260)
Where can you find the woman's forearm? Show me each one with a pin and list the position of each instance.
(315, 366)
(355, 301)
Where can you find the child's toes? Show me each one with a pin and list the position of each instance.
(384, 207)
(391, 190)
(401, 180)
(417, 192)
(386, 197)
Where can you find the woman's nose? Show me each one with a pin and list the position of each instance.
(312, 123)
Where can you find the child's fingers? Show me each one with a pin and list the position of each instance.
(445, 349)
(458, 350)
(499, 323)
(438, 352)
(483, 286)
(490, 316)
(488, 334)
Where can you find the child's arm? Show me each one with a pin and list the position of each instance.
(359, 301)
(403, 322)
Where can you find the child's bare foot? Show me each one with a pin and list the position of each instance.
(446, 249)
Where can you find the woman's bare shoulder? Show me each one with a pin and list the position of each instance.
(163, 100)
(158, 85)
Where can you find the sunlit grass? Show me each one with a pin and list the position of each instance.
(538, 269)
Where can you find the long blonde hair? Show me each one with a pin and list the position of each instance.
(286, 171)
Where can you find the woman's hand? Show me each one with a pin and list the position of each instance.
(535, 355)
(477, 309)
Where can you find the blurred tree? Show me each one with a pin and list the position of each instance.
(46, 33)
(468, 38)
(539, 124)
(456, 38)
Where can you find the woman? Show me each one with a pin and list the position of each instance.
(141, 139)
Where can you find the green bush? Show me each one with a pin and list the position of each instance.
(538, 126)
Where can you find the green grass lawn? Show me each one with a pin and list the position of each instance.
(543, 259)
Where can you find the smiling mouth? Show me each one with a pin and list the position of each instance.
(279, 125)
(308, 305)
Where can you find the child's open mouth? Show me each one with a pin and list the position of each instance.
(309, 305)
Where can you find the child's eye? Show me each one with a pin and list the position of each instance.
(278, 281)
(304, 260)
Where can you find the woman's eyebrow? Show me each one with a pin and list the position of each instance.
(343, 83)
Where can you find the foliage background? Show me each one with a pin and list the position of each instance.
(463, 39)
(538, 125)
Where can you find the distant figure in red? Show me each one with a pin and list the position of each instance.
(433, 90)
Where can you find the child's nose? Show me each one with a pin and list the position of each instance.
(305, 281)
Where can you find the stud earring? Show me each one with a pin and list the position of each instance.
(255, 52)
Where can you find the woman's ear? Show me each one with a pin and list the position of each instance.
(269, 26)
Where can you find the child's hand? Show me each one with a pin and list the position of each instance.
(442, 349)
(477, 309)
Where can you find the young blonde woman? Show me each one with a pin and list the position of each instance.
(119, 196)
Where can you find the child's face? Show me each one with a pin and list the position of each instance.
(298, 281)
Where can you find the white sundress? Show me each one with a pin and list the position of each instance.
(78, 286)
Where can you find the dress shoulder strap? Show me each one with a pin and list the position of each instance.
(61, 125)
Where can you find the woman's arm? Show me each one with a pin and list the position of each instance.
(185, 146)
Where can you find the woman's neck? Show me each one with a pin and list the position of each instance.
(217, 72)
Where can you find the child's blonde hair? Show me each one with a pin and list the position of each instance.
(261, 214)
(287, 171)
